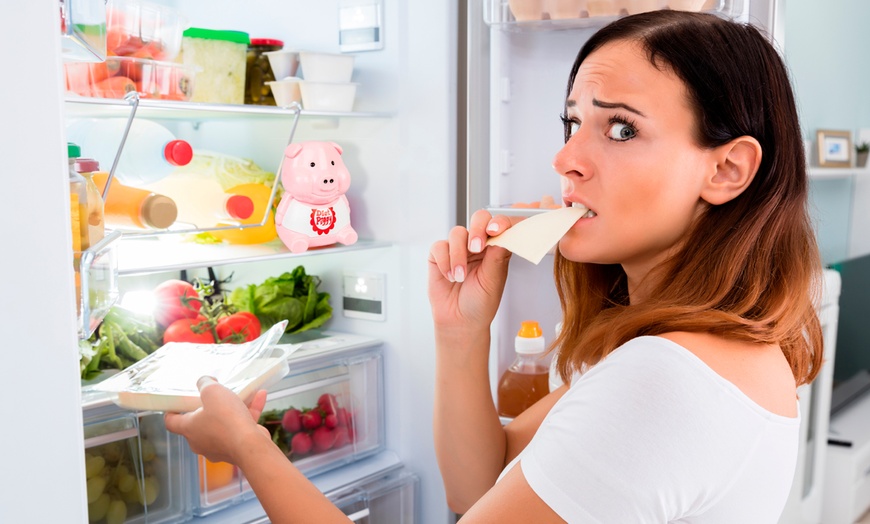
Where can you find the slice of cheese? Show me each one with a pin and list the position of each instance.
(535, 236)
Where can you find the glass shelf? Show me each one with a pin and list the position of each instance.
(98, 275)
(83, 107)
(832, 173)
(497, 13)
(138, 256)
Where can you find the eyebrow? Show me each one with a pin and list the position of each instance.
(608, 105)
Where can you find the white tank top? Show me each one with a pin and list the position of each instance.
(653, 435)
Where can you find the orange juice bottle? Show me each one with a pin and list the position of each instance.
(527, 379)
(78, 206)
(131, 207)
(259, 194)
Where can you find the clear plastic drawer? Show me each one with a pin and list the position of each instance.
(391, 498)
(133, 469)
(327, 412)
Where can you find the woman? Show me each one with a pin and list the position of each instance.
(687, 295)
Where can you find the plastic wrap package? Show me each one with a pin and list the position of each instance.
(166, 379)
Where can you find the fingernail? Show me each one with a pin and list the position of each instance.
(476, 245)
(450, 277)
(459, 274)
(492, 227)
(205, 381)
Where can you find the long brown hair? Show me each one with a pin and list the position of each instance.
(749, 269)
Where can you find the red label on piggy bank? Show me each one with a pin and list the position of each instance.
(322, 220)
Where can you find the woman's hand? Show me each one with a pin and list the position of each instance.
(218, 430)
(467, 278)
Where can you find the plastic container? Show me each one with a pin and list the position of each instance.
(201, 200)
(258, 71)
(526, 380)
(326, 96)
(220, 57)
(286, 91)
(133, 208)
(118, 76)
(284, 63)
(326, 67)
(95, 217)
(150, 153)
(143, 29)
(339, 375)
(132, 467)
(259, 195)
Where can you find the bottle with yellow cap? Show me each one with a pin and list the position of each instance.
(526, 380)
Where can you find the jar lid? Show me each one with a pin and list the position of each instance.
(240, 207)
(239, 37)
(267, 41)
(87, 165)
(72, 150)
(178, 152)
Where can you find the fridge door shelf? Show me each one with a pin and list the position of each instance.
(132, 465)
(83, 30)
(343, 392)
(97, 269)
(82, 107)
(138, 256)
(498, 13)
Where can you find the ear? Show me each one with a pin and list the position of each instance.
(292, 150)
(336, 146)
(736, 165)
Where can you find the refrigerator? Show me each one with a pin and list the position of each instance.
(458, 111)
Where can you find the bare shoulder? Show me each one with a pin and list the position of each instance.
(761, 372)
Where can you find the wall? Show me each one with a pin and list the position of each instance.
(824, 49)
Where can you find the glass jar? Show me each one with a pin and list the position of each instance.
(258, 71)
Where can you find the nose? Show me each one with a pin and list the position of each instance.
(571, 160)
(327, 181)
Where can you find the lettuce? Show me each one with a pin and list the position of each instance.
(292, 297)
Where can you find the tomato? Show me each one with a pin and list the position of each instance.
(238, 327)
(196, 330)
(174, 300)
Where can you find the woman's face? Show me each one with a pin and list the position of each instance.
(632, 159)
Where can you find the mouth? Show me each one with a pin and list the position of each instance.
(589, 213)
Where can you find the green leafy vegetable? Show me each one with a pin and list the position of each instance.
(122, 339)
(291, 296)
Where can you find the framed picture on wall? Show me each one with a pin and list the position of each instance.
(835, 148)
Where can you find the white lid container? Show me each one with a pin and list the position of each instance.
(325, 67)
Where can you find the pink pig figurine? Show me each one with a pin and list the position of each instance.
(314, 211)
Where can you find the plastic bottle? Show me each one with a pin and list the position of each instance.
(150, 153)
(133, 208)
(78, 203)
(526, 380)
(259, 194)
(95, 217)
(201, 200)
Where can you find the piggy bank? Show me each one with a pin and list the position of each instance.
(313, 210)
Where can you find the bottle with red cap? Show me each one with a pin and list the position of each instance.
(150, 153)
(202, 202)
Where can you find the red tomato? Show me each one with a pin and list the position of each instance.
(175, 299)
(189, 330)
(238, 327)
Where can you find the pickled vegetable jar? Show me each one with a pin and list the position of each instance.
(258, 71)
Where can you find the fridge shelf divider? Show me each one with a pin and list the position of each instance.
(111, 437)
(81, 107)
(337, 379)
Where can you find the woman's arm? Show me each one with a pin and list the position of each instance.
(225, 430)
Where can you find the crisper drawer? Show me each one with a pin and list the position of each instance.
(391, 499)
(133, 467)
(327, 412)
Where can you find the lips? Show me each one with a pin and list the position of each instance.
(589, 213)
